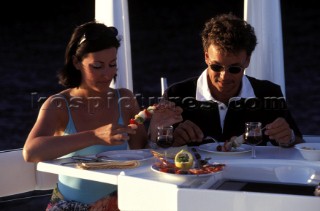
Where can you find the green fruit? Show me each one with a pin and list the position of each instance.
(183, 159)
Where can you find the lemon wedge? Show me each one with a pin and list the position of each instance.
(183, 160)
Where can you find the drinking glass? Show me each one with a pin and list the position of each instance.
(253, 135)
(164, 138)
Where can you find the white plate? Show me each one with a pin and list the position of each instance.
(155, 169)
(138, 155)
(212, 147)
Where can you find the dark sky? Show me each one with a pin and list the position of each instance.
(165, 41)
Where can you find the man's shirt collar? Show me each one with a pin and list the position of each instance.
(203, 92)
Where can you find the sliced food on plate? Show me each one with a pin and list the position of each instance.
(233, 143)
(183, 164)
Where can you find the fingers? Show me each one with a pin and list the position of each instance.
(187, 132)
(119, 129)
(177, 117)
(133, 126)
(115, 134)
(279, 130)
(179, 142)
(163, 104)
(167, 115)
(178, 110)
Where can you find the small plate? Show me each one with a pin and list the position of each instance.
(212, 147)
(139, 155)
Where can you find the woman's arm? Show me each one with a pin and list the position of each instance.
(46, 140)
(129, 108)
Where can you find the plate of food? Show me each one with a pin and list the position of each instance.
(124, 155)
(183, 165)
(214, 148)
(204, 171)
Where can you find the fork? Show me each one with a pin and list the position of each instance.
(211, 138)
(79, 158)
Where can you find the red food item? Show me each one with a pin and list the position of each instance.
(219, 148)
(132, 121)
(180, 171)
(168, 170)
(143, 115)
(197, 171)
(225, 148)
(167, 167)
(213, 168)
(148, 114)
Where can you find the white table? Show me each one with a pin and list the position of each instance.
(143, 189)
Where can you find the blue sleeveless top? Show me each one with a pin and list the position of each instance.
(82, 190)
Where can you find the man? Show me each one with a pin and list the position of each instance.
(222, 98)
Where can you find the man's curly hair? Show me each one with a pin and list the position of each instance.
(229, 34)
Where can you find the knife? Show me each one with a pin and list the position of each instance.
(197, 157)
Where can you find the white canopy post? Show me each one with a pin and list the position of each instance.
(164, 84)
(115, 13)
(267, 59)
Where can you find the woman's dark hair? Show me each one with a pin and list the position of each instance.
(86, 38)
(229, 34)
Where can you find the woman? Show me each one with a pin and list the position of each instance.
(89, 117)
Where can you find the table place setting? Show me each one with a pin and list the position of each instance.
(117, 159)
(108, 165)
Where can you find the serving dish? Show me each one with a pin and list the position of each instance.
(309, 151)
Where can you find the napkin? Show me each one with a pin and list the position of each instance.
(109, 165)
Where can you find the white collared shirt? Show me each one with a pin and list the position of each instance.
(203, 94)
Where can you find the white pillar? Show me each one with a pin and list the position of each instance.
(164, 84)
(267, 59)
(115, 13)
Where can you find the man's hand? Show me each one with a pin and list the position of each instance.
(187, 132)
(280, 131)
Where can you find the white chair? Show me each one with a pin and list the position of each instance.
(18, 176)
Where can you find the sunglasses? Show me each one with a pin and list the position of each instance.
(231, 69)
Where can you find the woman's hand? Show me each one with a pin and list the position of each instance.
(166, 114)
(105, 204)
(114, 134)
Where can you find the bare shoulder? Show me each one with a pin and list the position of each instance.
(52, 117)
(56, 101)
(124, 92)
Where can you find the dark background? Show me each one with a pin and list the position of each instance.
(165, 41)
